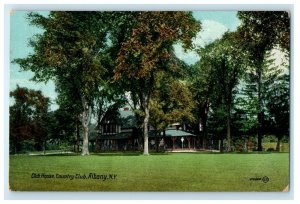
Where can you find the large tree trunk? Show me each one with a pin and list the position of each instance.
(146, 123)
(77, 135)
(228, 129)
(146, 106)
(85, 145)
(259, 108)
(221, 146)
(16, 147)
(203, 121)
(44, 146)
(259, 135)
(278, 145)
(85, 119)
(156, 141)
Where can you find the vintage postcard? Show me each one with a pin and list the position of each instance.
(150, 101)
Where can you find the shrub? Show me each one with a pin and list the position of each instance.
(271, 149)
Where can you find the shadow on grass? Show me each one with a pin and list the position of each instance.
(58, 154)
(116, 154)
(128, 154)
(209, 152)
(103, 154)
(159, 153)
(100, 154)
(91, 154)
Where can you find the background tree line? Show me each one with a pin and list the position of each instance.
(236, 90)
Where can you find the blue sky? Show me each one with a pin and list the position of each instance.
(20, 33)
(214, 24)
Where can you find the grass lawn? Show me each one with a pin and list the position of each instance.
(157, 172)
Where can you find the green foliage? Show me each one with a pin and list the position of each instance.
(226, 64)
(28, 118)
(149, 46)
(147, 49)
(72, 52)
(171, 102)
(265, 28)
(262, 31)
(217, 75)
(274, 98)
(27, 146)
(278, 101)
(63, 124)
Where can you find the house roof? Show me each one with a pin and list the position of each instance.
(178, 133)
(122, 135)
(169, 133)
(174, 133)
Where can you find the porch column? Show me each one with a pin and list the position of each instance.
(173, 139)
(189, 141)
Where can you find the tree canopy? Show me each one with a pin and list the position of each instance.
(262, 31)
(28, 118)
(69, 52)
(149, 49)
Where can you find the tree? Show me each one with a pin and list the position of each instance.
(70, 52)
(277, 99)
(200, 82)
(224, 62)
(261, 32)
(171, 102)
(266, 29)
(64, 126)
(148, 49)
(278, 107)
(28, 118)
